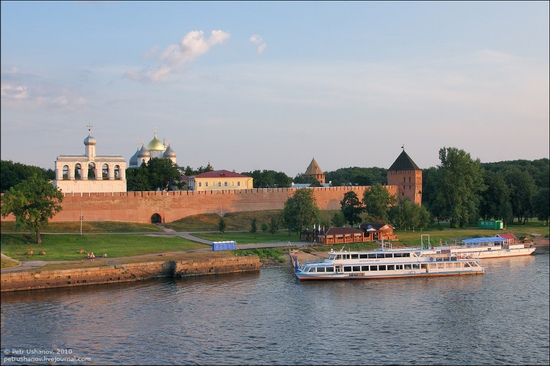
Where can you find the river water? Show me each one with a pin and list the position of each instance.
(501, 317)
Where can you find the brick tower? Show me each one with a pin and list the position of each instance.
(407, 176)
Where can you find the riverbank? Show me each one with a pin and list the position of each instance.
(114, 272)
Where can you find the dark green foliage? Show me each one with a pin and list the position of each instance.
(356, 176)
(352, 208)
(14, 173)
(378, 201)
(222, 225)
(307, 179)
(300, 210)
(269, 179)
(157, 174)
(338, 219)
(33, 202)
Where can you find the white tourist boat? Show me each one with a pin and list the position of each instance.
(482, 248)
(385, 264)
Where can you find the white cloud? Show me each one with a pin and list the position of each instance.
(256, 39)
(11, 92)
(191, 46)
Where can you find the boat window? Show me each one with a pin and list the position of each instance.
(406, 254)
(330, 269)
(380, 255)
(397, 255)
(398, 266)
(362, 256)
(364, 268)
(382, 268)
(389, 255)
(391, 267)
(347, 269)
(372, 255)
(320, 269)
(416, 266)
(346, 256)
(356, 268)
(408, 266)
(338, 256)
(355, 256)
(311, 269)
(374, 268)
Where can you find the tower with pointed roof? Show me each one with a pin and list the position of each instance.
(407, 176)
(315, 171)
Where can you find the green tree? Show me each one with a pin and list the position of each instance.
(378, 201)
(265, 226)
(164, 175)
(495, 200)
(222, 225)
(522, 191)
(352, 208)
(33, 202)
(254, 226)
(269, 179)
(338, 219)
(407, 215)
(273, 225)
(541, 204)
(12, 173)
(300, 210)
(138, 179)
(459, 184)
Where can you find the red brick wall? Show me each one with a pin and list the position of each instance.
(171, 206)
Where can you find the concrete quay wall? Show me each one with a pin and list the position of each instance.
(140, 207)
(27, 280)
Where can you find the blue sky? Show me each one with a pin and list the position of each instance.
(271, 85)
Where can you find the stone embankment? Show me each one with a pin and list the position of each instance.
(38, 279)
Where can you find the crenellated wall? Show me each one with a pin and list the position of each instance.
(171, 206)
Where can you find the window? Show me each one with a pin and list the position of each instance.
(347, 268)
(372, 255)
(374, 268)
(320, 269)
(389, 255)
(330, 269)
(380, 255)
(355, 256)
(362, 256)
(225, 184)
(238, 184)
(200, 184)
(356, 268)
(382, 268)
(364, 268)
(391, 267)
(219, 184)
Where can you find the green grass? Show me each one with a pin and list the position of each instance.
(233, 221)
(276, 254)
(88, 227)
(68, 247)
(249, 238)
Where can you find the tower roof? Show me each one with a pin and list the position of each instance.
(404, 162)
(313, 168)
(155, 144)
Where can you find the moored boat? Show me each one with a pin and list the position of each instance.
(482, 248)
(380, 264)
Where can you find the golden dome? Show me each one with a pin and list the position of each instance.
(155, 144)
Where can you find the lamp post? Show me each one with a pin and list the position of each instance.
(81, 218)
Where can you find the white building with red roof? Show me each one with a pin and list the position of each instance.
(220, 180)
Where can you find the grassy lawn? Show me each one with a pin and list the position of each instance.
(233, 221)
(68, 247)
(88, 227)
(249, 238)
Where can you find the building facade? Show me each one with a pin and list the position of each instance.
(407, 177)
(220, 180)
(90, 172)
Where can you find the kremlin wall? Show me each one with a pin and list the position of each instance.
(157, 206)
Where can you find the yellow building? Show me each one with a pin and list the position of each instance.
(220, 180)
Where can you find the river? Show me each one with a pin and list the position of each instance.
(501, 317)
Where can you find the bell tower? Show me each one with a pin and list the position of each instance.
(407, 176)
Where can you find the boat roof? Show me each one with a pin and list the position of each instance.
(483, 240)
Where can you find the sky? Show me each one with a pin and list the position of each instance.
(272, 85)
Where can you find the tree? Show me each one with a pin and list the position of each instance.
(495, 200)
(522, 190)
(541, 205)
(300, 210)
(269, 179)
(33, 202)
(254, 226)
(408, 215)
(222, 225)
(352, 208)
(273, 225)
(459, 184)
(377, 201)
(164, 175)
(305, 179)
(13, 173)
(338, 219)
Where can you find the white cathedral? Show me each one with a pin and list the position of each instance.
(154, 149)
(90, 172)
